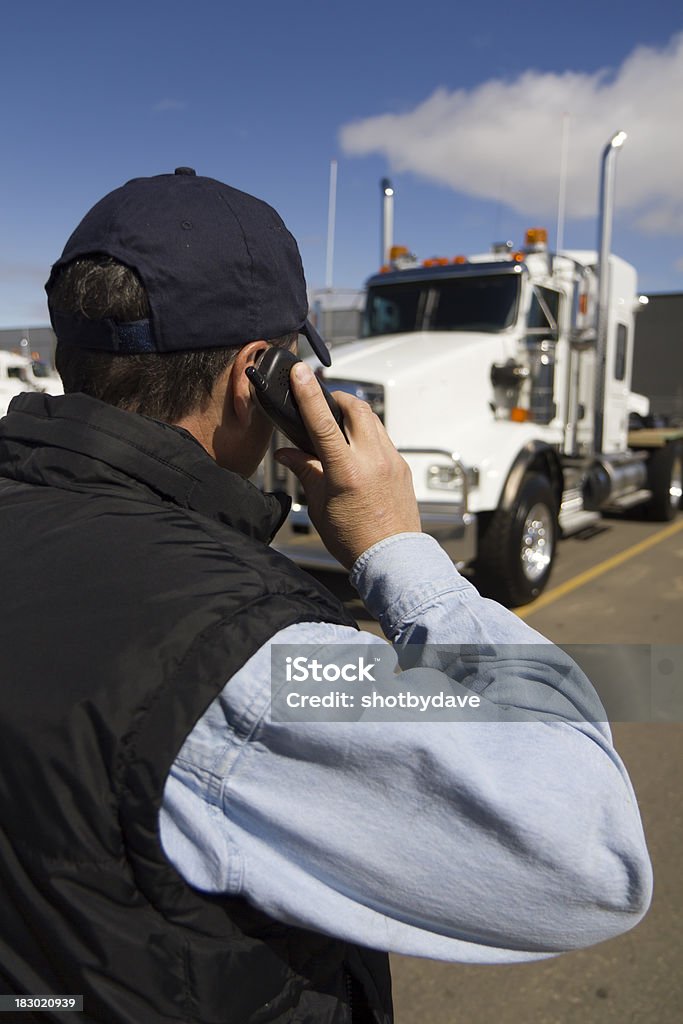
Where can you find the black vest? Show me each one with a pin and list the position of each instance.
(136, 580)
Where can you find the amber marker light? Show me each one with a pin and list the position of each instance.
(519, 415)
(536, 236)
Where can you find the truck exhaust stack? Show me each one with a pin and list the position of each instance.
(387, 230)
(606, 213)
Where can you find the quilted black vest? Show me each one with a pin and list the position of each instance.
(136, 580)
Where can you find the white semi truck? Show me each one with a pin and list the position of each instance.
(504, 379)
(19, 373)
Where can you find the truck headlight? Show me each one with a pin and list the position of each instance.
(450, 476)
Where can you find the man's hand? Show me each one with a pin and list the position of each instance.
(358, 493)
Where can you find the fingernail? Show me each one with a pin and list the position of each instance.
(302, 372)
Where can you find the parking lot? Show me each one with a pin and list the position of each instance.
(621, 585)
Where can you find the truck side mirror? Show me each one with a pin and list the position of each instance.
(508, 375)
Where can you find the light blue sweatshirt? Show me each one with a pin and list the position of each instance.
(479, 842)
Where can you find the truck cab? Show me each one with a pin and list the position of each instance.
(485, 372)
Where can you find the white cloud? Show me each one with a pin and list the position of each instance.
(511, 132)
(169, 104)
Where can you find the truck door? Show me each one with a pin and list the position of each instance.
(543, 333)
(617, 389)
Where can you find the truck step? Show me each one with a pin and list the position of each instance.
(573, 520)
(629, 500)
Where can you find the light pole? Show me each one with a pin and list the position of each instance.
(331, 216)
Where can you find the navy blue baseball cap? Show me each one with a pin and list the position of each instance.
(218, 265)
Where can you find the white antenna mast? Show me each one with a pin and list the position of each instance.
(561, 199)
(331, 215)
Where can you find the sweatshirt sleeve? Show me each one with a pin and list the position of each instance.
(472, 841)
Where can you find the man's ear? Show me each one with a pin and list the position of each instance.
(239, 390)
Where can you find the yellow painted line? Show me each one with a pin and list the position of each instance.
(590, 574)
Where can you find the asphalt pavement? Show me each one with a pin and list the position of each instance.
(621, 585)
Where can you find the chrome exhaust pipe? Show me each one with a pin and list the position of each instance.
(387, 227)
(606, 212)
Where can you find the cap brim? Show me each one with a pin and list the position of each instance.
(316, 343)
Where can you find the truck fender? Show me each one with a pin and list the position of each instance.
(537, 457)
(517, 542)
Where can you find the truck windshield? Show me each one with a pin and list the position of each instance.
(469, 303)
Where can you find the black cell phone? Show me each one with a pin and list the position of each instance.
(270, 379)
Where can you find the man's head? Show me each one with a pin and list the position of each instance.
(166, 287)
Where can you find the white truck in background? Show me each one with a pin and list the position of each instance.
(19, 373)
(504, 380)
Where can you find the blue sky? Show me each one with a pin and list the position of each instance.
(461, 105)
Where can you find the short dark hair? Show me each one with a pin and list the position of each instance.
(164, 385)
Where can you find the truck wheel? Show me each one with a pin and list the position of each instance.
(517, 545)
(665, 480)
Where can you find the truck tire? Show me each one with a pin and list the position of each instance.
(517, 545)
(665, 480)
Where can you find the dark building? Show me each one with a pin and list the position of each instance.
(338, 314)
(658, 355)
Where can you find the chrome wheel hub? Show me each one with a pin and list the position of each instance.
(537, 542)
(676, 485)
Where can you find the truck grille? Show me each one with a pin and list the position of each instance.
(373, 394)
(271, 476)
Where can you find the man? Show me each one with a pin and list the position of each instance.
(169, 848)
